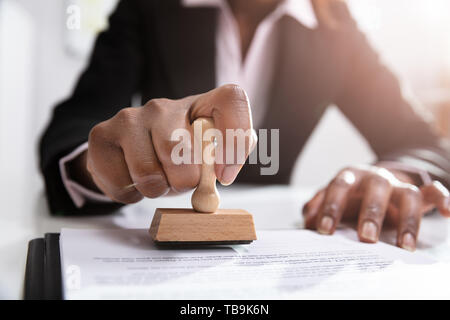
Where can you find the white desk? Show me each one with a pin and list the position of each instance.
(273, 208)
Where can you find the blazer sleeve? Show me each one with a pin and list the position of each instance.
(371, 97)
(106, 86)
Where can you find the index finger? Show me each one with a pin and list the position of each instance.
(335, 202)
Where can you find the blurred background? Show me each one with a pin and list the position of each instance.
(41, 57)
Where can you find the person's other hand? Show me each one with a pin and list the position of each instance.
(374, 195)
(129, 155)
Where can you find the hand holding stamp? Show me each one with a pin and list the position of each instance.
(206, 224)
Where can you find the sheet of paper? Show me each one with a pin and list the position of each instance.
(124, 263)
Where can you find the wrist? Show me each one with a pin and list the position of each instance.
(403, 173)
(77, 170)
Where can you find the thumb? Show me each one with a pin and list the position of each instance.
(438, 195)
(230, 109)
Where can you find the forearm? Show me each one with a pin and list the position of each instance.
(406, 174)
(60, 202)
(426, 163)
(395, 125)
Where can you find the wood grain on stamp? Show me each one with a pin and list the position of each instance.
(185, 225)
(206, 198)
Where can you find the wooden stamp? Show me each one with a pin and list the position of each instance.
(205, 223)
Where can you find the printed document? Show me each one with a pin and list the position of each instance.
(281, 264)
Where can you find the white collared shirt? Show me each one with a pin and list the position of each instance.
(254, 74)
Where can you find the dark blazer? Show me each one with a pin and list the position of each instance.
(161, 49)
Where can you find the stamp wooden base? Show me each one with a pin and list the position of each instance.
(185, 226)
(205, 224)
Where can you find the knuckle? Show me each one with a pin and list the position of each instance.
(156, 106)
(330, 209)
(98, 133)
(373, 211)
(340, 182)
(379, 180)
(412, 191)
(127, 117)
(345, 178)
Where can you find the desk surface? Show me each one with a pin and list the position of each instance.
(273, 208)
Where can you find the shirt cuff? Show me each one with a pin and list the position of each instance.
(79, 194)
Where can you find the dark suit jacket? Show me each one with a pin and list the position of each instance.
(161, 49)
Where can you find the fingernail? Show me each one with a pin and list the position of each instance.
(229, 173)
(369, 231)
(408, 242)
(326, 224)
